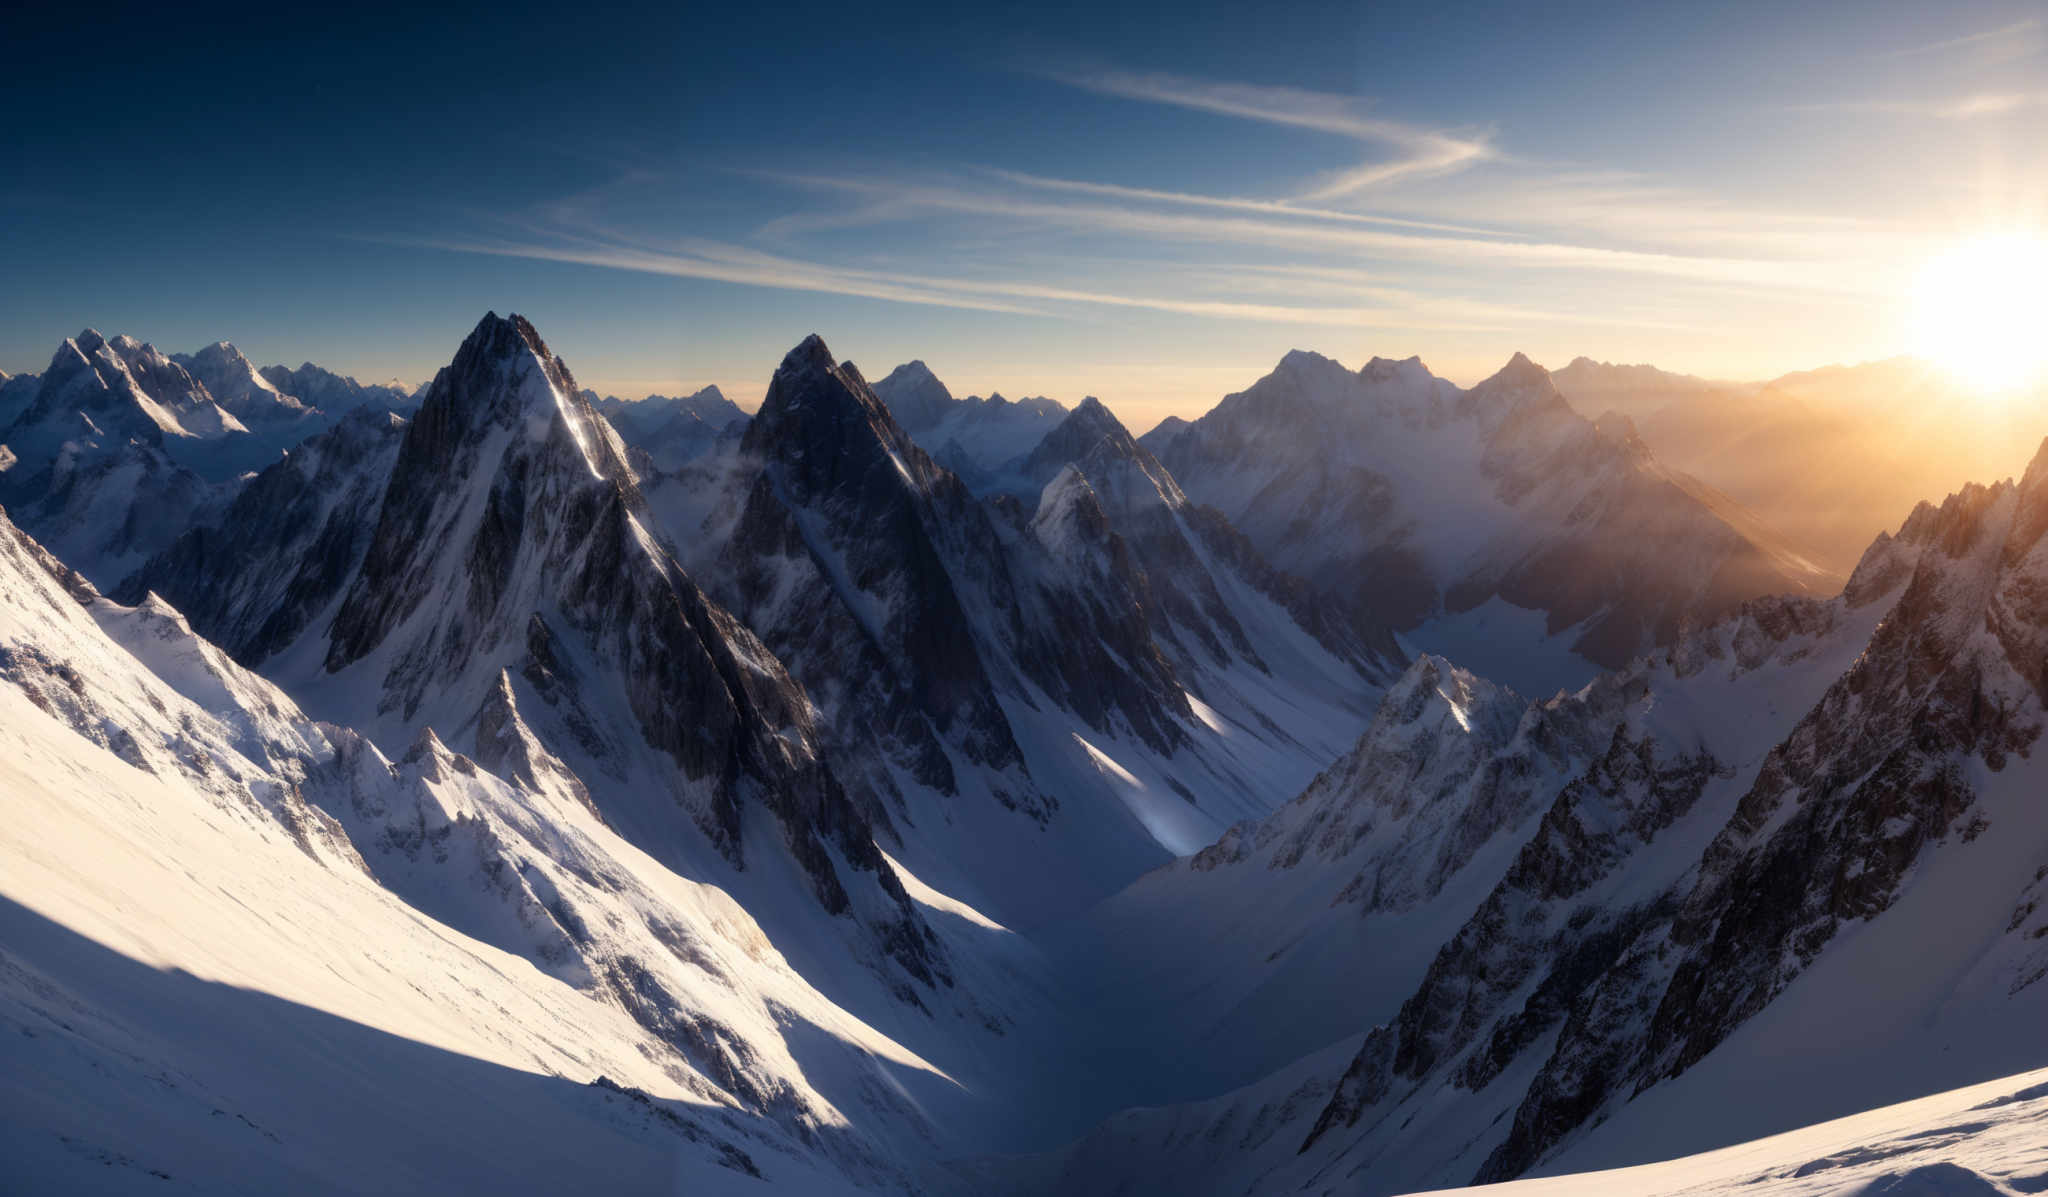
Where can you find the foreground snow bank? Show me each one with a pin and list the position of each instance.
(1987, 1140)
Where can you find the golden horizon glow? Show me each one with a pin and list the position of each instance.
(1979, 311)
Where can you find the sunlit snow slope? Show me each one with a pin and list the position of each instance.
(1988, 1140)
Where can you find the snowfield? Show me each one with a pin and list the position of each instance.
(1988, 1140)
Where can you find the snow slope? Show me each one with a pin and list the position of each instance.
(1982, 1140)
(346, 931)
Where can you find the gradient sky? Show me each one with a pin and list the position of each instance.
(1146, 202)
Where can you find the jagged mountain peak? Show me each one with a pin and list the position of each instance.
(239, 387)
(1092, 413)
(1315, 376)
(827, 428)
(222, 357)
(1092, 437)
(1384, 369)
(220, 349)
(511, 536)
(1521, 389)
(1304, 359)
(1430, 673)
(73, 353)
(1069, 514)
(503, 375)
(334, 393)
(1519, 373)
(96, 390)
(502, 430)
(912, 390)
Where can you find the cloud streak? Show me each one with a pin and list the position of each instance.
(734, 264)
(1973, 106)
(2001, 37)
(1193, 199)
(1424, 151)
(1311, 236)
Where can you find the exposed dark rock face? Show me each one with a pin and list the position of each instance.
(844, 557)
(912, 609)
(1476, 1008)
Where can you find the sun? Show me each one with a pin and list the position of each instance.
(1980, 311)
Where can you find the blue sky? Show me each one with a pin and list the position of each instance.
(1146, 202)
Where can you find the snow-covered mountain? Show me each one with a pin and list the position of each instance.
(986, 666)
(974, 437)
(98, 461)
(338, 394)
(119, 448)
(508, 546)
(1641, 391)
(1981, 1140)
(804, 813)
(482, 595)
(236, 385)
(673, 432)
(1783, 870)
(17, 391)
(1458, 513)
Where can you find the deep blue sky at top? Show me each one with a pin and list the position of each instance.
(313, 181)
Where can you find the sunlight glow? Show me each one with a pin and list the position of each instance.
(1979, 311)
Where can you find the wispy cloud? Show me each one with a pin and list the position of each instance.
(729, 264)
(1626, 207)
(1315, 236)
(735, 264)
(1192, 199)
(1448, 257)
(1994, 104)
(1970, 106)
(2021, 36)
(1422, 151)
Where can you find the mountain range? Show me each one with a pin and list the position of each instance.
(1374, 784)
